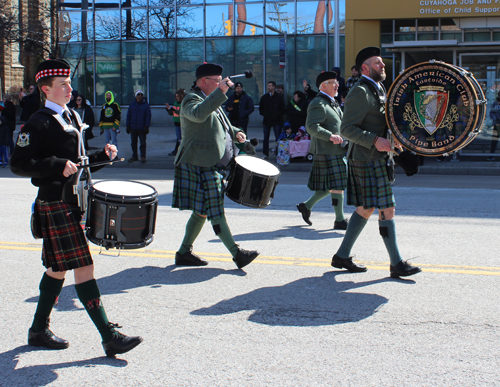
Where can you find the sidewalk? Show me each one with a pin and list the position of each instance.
(161, 141)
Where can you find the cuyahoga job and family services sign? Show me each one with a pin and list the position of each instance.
(413, 9)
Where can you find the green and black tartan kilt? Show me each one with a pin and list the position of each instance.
(199, 189)
(368, 185)
(328, 173)
(64, 244)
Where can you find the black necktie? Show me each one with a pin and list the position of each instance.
(67, 117)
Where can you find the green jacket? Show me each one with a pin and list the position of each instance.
(203, 135)
(364, 119)
(322, 121)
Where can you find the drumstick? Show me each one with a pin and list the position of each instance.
(100, 163)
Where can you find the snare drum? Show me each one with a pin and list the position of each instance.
(121, 214)
(252, 181)
(435, 108)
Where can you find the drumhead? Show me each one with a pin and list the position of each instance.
(124, 188)
(256, 165)
(434, 108)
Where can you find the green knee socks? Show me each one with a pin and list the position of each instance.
(387, 230)
(356, 224)
(317, 196)
(221, 229)
(89, 295)
(193, 229)
(338, 205)
(50, 288)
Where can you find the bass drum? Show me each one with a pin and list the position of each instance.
(121, 214)
(252, 181)
(434, 108)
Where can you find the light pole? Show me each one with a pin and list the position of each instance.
(286, 55)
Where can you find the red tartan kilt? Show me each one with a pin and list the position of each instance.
(64, 244)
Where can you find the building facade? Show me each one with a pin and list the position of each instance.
(156, 45)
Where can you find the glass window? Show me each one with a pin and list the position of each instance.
(161, 3)
(161, 23)
(310, 59)
(280, 16)
(221, 51)
(108, 71)
(81, 59)
(496, 36)
(134, 24)
(252, 13)
(219, 20)
(311, 17)
(66, 5)
(189, 57)
(331, 17)
(162, 72)
(76, 26)
(134, 3)
(134, 70)
(189, 2)
(273, 70)
(477, 36)
(405, 30)
(428, 29)
(248, 56)
(107, 3)
(189, 22)
(107, 25)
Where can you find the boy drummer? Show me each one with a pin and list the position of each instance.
(48, 153)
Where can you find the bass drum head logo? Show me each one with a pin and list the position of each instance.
(434, 108)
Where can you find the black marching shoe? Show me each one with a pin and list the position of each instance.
(341, 263)
(305, 213)
(120, 343)
(342, 225)
(189, 259)
(45, 338)
(245, 257)
(404, 269)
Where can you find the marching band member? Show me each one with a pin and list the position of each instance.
(368, 186)
(329, 171)
(206, 149)
(48, 153)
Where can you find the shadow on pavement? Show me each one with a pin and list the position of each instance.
(43, 374)
(312, 301)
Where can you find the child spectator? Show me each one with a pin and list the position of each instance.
(283, 146)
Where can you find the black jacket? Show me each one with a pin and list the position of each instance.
(297, 118)
(42, 150)
(245, 109)
(9, 112)
(272, 108)
(30, 105)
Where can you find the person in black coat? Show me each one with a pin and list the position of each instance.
(29, 102)
(239, 105)
(9, 112)
(297, 110)
(87, 115)
(272, 108)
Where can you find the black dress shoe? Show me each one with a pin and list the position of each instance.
(341, 263)
(189, 259)
(342, 225)
(305, 213)
(404, 269)
(45, 338)
(245, 257)
(121, 344)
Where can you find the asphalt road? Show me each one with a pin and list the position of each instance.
(289, 318)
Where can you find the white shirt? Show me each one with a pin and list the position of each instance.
(57, 108)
